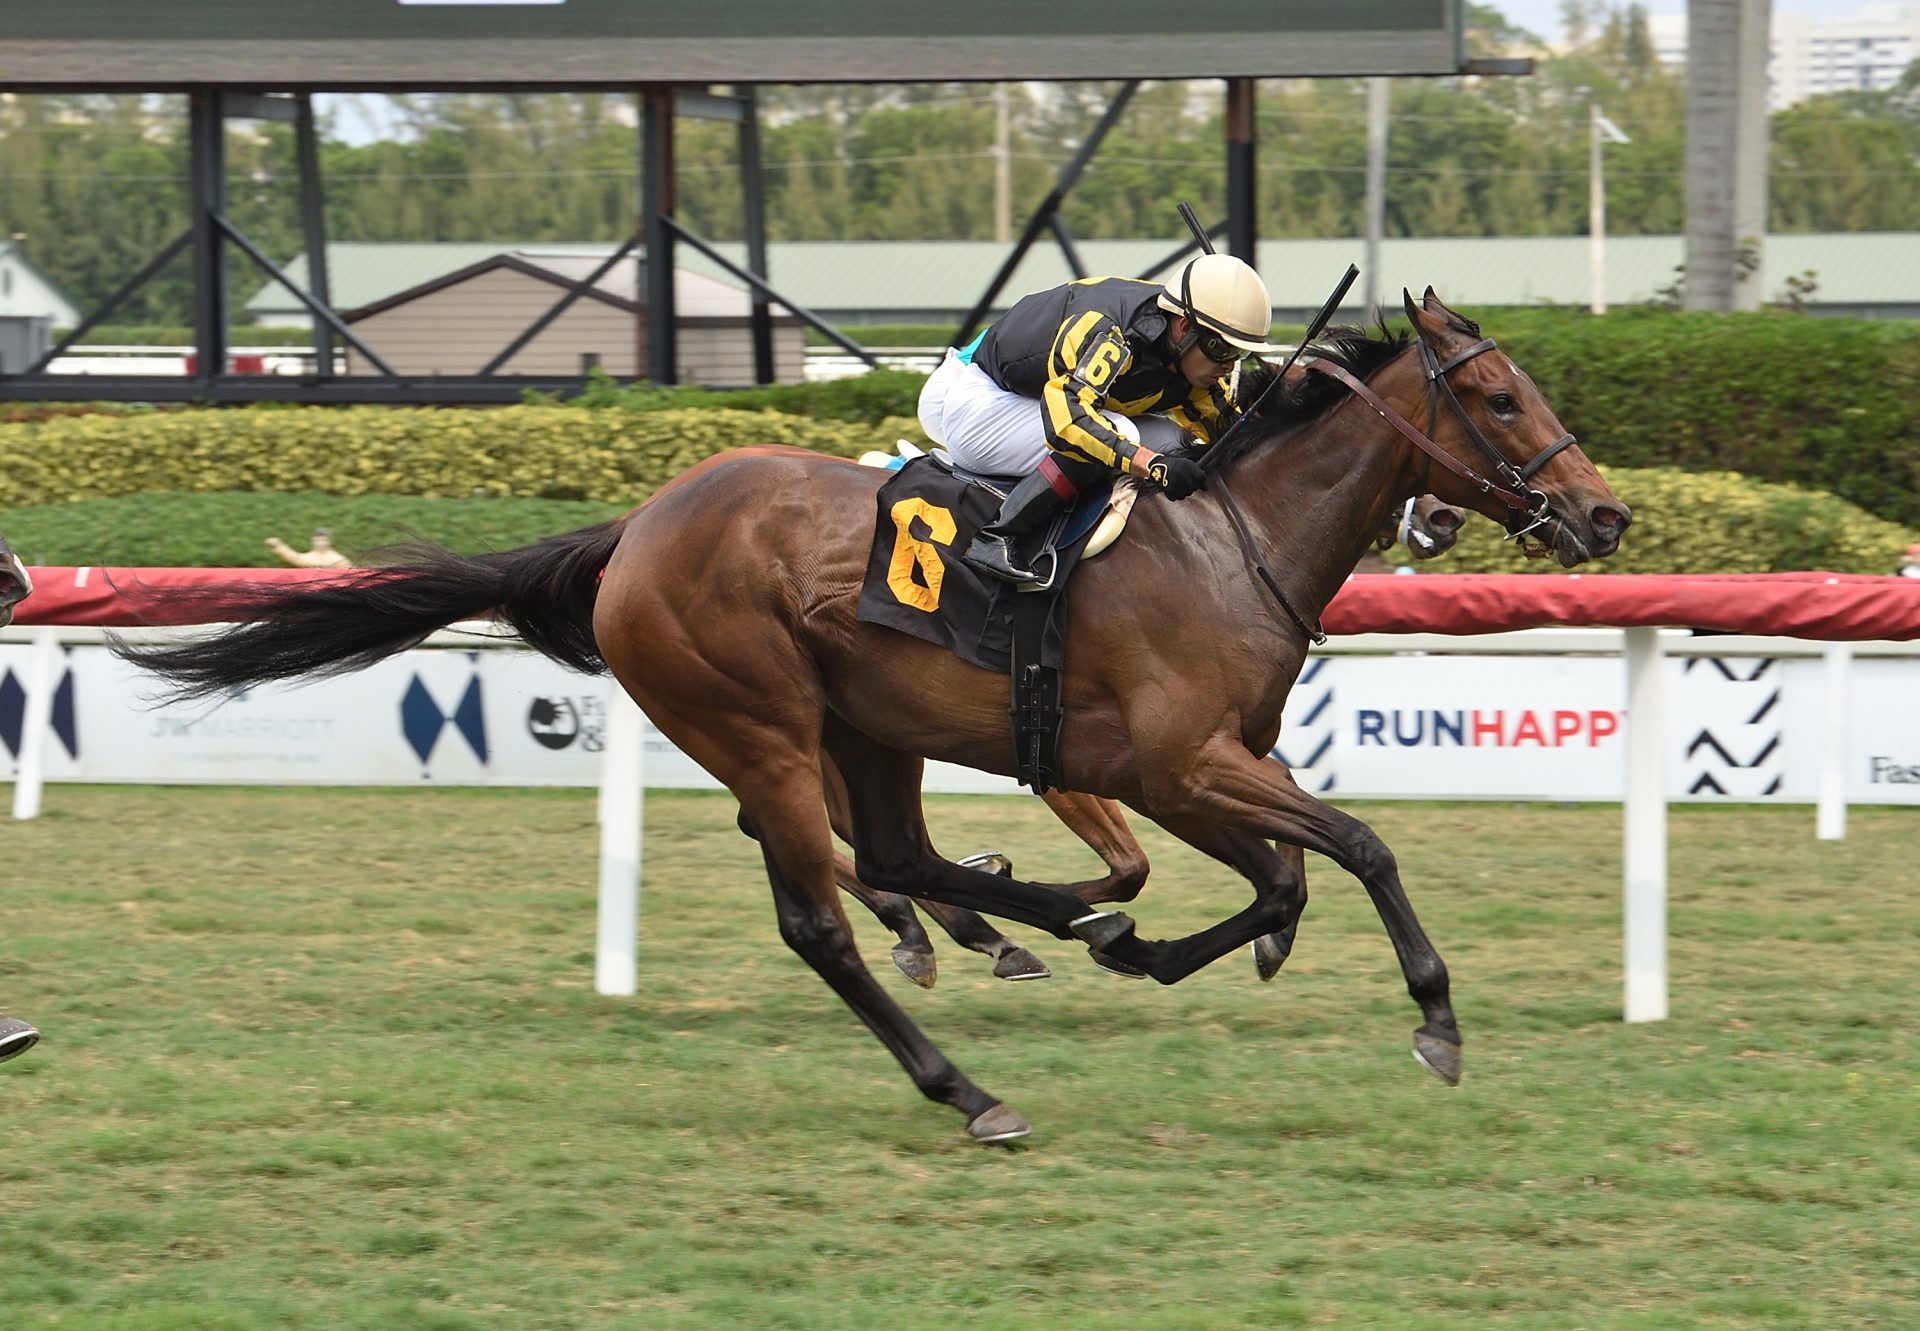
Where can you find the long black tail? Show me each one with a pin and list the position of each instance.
(545, 591)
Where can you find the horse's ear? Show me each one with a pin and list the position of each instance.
(1424, 323)
(1430, 300)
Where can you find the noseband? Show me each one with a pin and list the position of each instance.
(1530, 508)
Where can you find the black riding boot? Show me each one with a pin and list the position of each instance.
(1030, 505)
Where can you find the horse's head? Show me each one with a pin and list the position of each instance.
(1500, 427)
(1425, 525)
(14, 582)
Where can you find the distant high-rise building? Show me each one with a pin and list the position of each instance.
(1866, 51)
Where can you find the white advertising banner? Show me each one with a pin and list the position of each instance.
(1402, 726)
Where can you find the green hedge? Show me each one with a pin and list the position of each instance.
(869, 398)
(230, 530)
(534, 452)
(1833, 404)
(1683, 523)
(1689, 522)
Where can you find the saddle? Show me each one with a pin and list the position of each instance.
(917, 583)
(1103, 509)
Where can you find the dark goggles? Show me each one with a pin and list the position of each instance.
(1216, 348)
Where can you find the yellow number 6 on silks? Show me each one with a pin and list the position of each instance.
(909, 550)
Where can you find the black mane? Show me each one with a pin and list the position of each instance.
(1292, 405)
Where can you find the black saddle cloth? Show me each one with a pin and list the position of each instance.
(917, 583)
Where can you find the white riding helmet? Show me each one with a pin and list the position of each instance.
(1224, 296)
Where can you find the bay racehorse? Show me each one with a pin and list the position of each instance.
(1428, 529)
(726, 608)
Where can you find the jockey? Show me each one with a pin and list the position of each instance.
(1101, 375)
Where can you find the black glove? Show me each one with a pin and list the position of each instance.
(1178, 476)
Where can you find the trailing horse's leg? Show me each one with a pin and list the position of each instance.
(1100, 824)
(1229, 786)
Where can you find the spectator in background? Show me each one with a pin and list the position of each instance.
(1910, 564)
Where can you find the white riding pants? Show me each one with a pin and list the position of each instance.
(992, 430)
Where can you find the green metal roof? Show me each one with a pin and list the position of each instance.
(875, 277)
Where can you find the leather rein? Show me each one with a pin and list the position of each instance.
(1512, 486)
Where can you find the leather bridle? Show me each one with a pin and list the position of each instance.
(1510, 485)
(1529, 508)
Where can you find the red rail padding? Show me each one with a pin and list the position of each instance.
(1834, 607)
(1829, 607)
(93, 596)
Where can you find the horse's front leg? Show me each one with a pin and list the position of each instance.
(1230, 787)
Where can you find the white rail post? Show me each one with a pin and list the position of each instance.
(1830, 822)
(43, 678)
(1646, 828)
(622, 810)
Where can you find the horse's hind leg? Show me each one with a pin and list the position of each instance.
(785, 816)
(913, 954)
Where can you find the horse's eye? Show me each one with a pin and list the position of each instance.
(1501, 403)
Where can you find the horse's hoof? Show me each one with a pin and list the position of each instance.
(1107, 963)
(1101, 929)
(1016, 963)
(989, 861)
(16, 1037)
(1269, 954)
(1438, 1056)
(998, 1124)
(917, 964)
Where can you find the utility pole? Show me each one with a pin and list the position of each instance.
(1002, 168)
(1379, 98)
(1601, 130)
(1727, 44)
(1750, 165)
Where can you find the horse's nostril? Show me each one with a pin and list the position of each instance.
(1446, 521)
(1610, 519)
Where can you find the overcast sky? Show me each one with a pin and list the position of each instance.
(1543, 16)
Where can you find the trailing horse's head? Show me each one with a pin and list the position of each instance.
(1427, 526)
(14, 582)
(1501, 427)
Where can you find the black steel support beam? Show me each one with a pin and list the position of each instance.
(113, 302)
(206, 137)
(760, 284)
(558, 308)
(1042, 216)
(656, 230)
(313, 228)
(1242, 203)
(753, 212)
(320, 311)
(1058, 225)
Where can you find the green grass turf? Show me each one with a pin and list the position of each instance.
(332, 1059)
